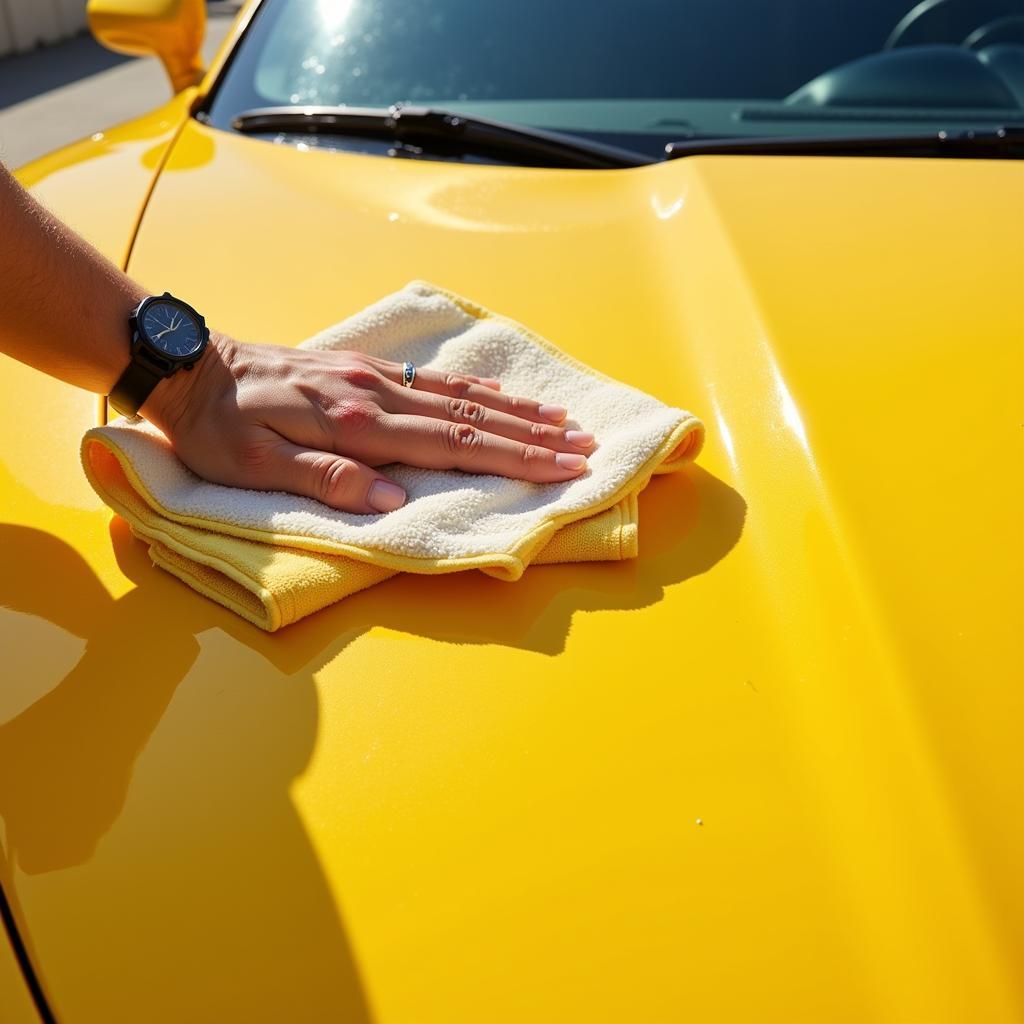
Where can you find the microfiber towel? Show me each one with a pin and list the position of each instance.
(274, 557)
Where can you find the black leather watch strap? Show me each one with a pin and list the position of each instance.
(134, 387)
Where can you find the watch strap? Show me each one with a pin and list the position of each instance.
(133, 387)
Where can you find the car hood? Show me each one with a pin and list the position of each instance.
(768, 770)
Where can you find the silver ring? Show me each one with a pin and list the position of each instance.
(408, 374)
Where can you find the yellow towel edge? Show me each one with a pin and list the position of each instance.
(629, 533)
(508, 565)
(151, 533)
(270, 623)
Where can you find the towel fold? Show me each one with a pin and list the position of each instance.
(274, 558)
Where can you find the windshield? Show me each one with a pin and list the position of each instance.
(641, 73)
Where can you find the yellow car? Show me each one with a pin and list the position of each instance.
(770, 770)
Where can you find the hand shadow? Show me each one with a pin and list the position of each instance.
(210, 884)
(216, 849)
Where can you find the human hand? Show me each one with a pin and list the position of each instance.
(317, 423)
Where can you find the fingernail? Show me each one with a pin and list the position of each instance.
(491, 382)
(573, 462)
(555, 413)
(580, 438)
(385, 496)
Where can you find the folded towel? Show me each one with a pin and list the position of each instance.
(274, 558)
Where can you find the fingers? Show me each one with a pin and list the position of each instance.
(464, 410)
(474, 389)
(439, 444)
(342, 483)
(393, 372)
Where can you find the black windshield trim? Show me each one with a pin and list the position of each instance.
(1006, 142)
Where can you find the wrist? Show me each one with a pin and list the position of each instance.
(175, 396)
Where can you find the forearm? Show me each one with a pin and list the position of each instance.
(260, 416)
(65, 307)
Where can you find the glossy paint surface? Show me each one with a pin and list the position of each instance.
(768, 771)
(100, 184)
(15, 1002)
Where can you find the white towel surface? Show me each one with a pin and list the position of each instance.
(451, 520)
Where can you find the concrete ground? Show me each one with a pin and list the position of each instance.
(60, 93)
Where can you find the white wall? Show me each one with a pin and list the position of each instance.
(28, 23)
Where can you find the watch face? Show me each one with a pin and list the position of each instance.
(171, 329)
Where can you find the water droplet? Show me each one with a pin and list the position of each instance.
(700, 821)
(392, 216)
(97, 137)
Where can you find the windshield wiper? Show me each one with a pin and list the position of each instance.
(444, 130)
(987, 143)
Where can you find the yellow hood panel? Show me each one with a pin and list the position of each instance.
(769, 771)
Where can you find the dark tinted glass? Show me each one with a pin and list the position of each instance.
(648, 69)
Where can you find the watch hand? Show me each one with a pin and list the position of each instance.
(174, 325)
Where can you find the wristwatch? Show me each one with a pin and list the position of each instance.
(166, 335)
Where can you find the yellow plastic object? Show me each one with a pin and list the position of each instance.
(172, 30)
(769, 771)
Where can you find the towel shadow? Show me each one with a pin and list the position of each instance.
(69, 760)
(689, 520)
